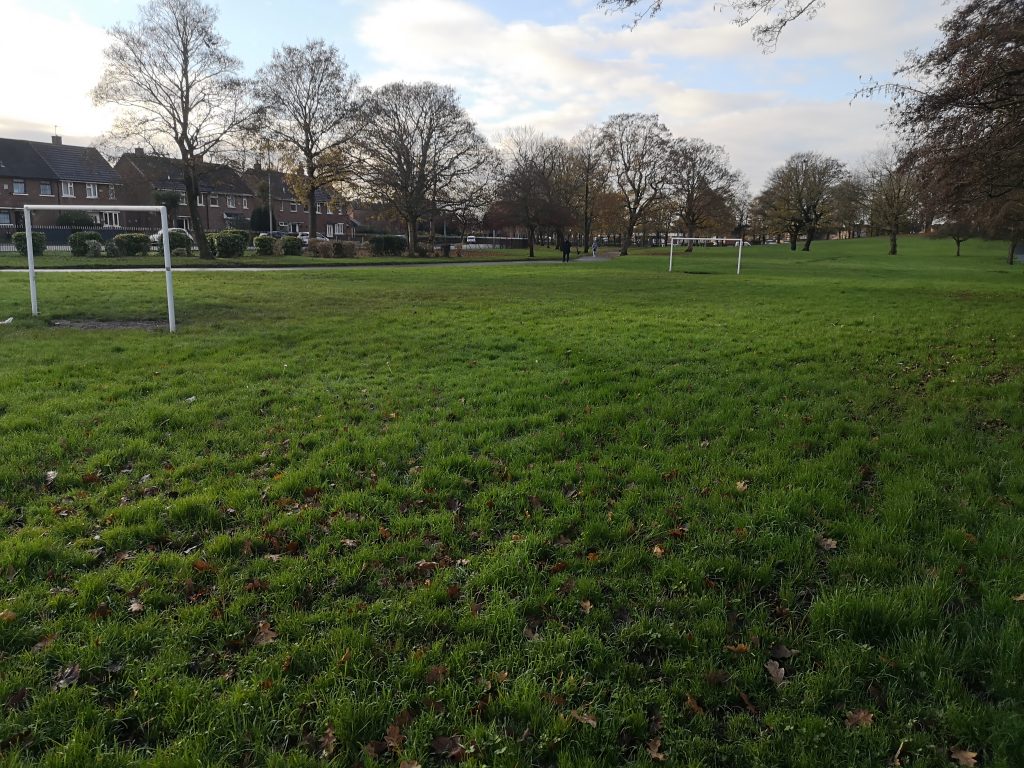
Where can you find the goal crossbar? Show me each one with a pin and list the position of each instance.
(673, 240)
(162, 210)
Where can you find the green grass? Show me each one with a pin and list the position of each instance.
(64, 259)
(503, 504)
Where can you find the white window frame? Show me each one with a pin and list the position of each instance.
(92, 190)
(14, 187)
(49, 185)
(245, 203)
(6, 215)
(67, 189)
(199, 199)
(181, 199)
(231, 201)
(214, 200)
(295, 207)
(319, 207)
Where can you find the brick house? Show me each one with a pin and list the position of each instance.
(37, 173)
(225, 200)
(291, 214)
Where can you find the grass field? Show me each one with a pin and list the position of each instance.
(580, 515)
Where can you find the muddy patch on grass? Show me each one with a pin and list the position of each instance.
(110, 325)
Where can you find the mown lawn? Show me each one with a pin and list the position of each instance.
(514, 516)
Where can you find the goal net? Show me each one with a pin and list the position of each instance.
(29, 209)
(689, 241)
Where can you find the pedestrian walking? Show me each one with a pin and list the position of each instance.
(566, 250)
(593, 248)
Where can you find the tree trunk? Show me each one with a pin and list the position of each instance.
(958, 241)
(892, 242)
(312, 213)
(1013, 249)
(627, 238)
(410, 231)
(192, 198)
(792, 241)
(810, 238)
(530, 236)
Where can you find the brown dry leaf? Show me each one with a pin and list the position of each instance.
(454, 592)
(826, 544)
(742, 486)
(678, 532)
(426, 565)
(775, 672)
(264, 634)
(654, 750)
(50, 477)
(256, 585)
(583, 717)
(327, 743)
(586, 606)
(384, 533)
(136, 607)
(437, 674)
(67, 677)
(44, 643)
(449, 747)
(16, 699)
(693, 705)
(738, 648)
(859, 718)
(593, 557)
(1019, 598)
(963, 757)
(658, 550)
(753, 710)
(345, 656)
(8, 616)
(780, 652)
(203, 567)
(394, 738)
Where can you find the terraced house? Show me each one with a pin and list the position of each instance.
(291, 214)
(37, 173)
(225, 200)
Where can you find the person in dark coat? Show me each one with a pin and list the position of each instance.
(566, 250)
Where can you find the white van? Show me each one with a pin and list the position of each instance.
(470, 240)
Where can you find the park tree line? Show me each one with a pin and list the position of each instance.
(411, 148)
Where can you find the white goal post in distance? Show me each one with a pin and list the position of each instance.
(706, 241)
(171, 322)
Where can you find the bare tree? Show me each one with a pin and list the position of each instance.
(773, 15)
(592, 177)
(638, 150)
(419, 152)
(894, 190)
(962, 105)
(310, 110)
(851, 204)
(703, 185)
(175, 83)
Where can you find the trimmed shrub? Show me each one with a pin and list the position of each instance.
(387, 246)
(291, 246)
(264, 245)
(180, 241)
(179, 253)
(231, 243)
(93, 249)
(344, 250)
(111, 249)
(79, 242)
(211, 241)
(321, 249)
(132, 244)
(38, 243)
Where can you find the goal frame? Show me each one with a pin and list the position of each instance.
(674, 239)
(172, 324)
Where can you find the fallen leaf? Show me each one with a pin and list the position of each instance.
(1019, 598)
(754, 711)
(16, 699)
(679, 532)
(738, 648)
(67, 677)
(264, 634)
(654, 750)
(593, 557)
(583, 717)
(136, 607)
(742, 486)
(586, 606)
(394, 738)
(50, 477)
(44, 643)
(454, 591)
(376, 749)
(202, 566)
(8, 616)
(963, 756)
(328, 742)
(693, 705)
(781, 652)
(775, 672)
(659, 551)
(426, 565)
(827, 545)
(437, 674)
(256, 585)
(717, 678)
(449, 747)
(349, 543)
(859, 718)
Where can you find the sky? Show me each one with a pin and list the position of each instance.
(558, 65)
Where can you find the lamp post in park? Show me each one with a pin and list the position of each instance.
(162, 210)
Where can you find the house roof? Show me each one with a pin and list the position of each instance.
(71, 163)
(166, 173)
(19, 159)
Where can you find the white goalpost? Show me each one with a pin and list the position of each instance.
(171, 322)
(673, 240)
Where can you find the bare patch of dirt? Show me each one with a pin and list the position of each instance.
(111, 325)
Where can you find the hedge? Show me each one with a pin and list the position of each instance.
(291, 246)
(264, 245)
(79, 242)
(231, 243)
(130, 244)
(387, 245)
(38, 243)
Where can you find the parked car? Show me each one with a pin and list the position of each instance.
(304, 237)
(157, 238)
(471, 240)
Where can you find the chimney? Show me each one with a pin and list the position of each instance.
(140, 151)
(57, 140)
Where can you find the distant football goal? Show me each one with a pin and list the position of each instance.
(29, 209)
(673, 241)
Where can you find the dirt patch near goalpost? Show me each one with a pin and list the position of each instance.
(111, 325)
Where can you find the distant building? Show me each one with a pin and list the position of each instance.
(37, 173)
(291, 214)
(225, 200)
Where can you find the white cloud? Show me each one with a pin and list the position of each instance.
(51, 84)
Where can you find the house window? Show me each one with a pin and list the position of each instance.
(111, 192)
(231, 201)
(19, 187)
(110, 218)
(5, 217)
(214, 201)
(67, 188)
(330, 230)
(305, 209)
(319, 208)
(92, 191)
(45, 189)
(184, 222)
(295, 207)
(182, 201)
(245, 203)
(199, 199)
